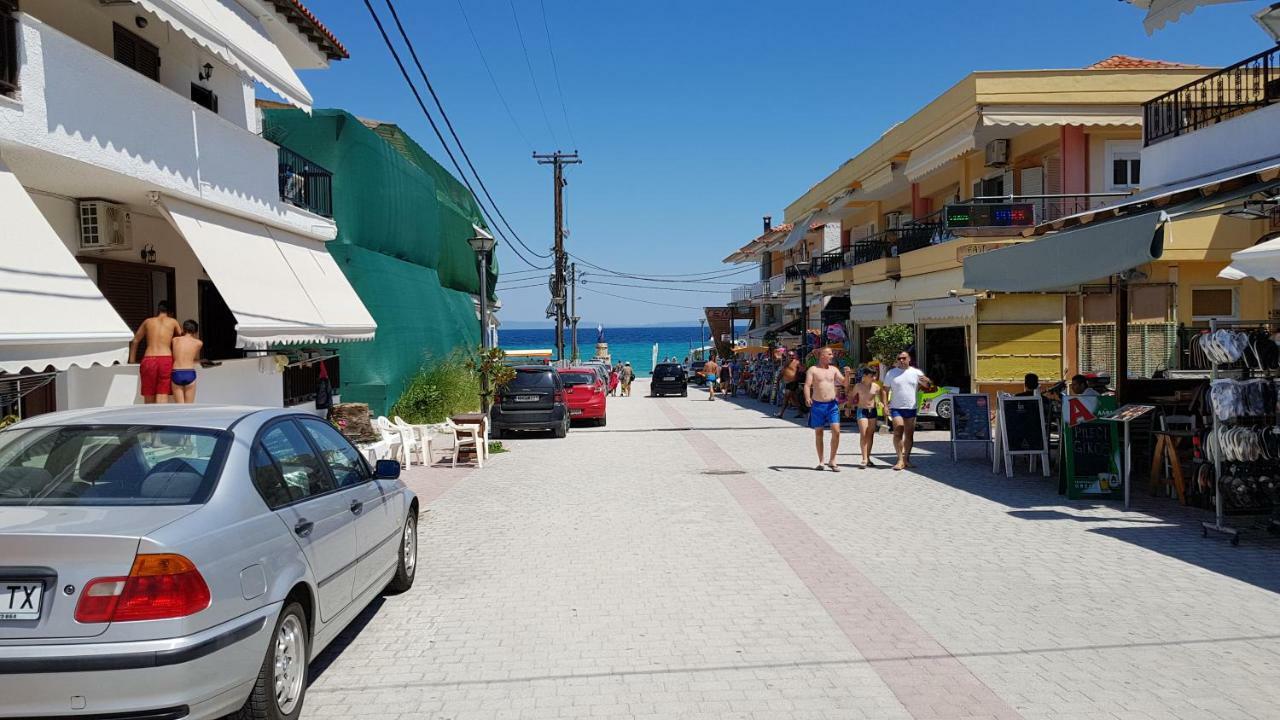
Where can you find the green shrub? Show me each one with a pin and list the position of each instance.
(889, 340)
(440, 389)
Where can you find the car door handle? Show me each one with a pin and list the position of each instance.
(357, 507)
(303, 527)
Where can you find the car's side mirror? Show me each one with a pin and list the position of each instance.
(386, 469)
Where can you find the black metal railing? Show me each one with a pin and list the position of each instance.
(300, 381)
(305, 184)
(8, 47)
(870, 249)
(827, 262)
(922, 233)
(1244, 87)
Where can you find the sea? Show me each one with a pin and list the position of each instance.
(634, 344)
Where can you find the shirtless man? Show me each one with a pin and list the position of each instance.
(862, 397)
(820, 385)
(790, 367)
(711, 371)
(186, 354)
(157, 363)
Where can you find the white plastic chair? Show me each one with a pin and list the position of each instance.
(392, 436)
(417, 439)
(466, 436)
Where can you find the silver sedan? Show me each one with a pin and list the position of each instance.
(186, 561)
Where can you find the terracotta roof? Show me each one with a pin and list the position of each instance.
(310, 26)
(1128, 62)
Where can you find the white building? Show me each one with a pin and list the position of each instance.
(132, 171)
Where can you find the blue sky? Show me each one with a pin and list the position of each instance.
(695, 118)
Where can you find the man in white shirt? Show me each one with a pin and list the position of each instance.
(901, 386)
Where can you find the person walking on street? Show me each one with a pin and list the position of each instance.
(790, 383)
(613, 380)
(902, 385)
(711, 371)
(820, 385)
(186, 353)
(862, 397)
(628, 376)
(156, 369)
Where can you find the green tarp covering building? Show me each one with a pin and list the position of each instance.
(403, 224)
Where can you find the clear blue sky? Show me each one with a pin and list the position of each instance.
(695, 118)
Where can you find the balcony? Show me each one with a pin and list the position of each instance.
(874, 248)
(1247, 86)
(761, 290)
(305, 184)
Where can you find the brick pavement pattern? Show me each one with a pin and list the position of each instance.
(687, 562)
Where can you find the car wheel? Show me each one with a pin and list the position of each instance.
(282, 680)
(407, 568)
(684, 393)
(602, 422)
(495, 433)
(943, 408)
(562, 430)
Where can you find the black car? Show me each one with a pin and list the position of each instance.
(669, 379)
(533, 400)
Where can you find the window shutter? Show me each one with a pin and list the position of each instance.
(132, 51)
(1053, 186)
(1031, 182)
(1007, 180)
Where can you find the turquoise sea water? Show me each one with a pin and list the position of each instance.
(633, 344)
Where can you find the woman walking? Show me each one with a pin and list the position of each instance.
(862, 397)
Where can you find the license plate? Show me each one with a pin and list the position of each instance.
(668, 379)
(575, 412)
(527, 398)
(20, 599)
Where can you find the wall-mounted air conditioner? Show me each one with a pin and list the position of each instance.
(105, 226)
(997, 153)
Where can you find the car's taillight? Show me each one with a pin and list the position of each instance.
(159, 586)
(599, 388)
(559, 396)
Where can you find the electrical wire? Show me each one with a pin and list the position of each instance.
(711, 274)
(413, 53)
(664, 283)
(519, 287)
(529, 64)
(555, 70)
(646, 302)
(493, 79)
(716, 291)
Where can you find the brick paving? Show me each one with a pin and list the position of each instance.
(687, 562)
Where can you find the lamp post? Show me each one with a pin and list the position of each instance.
(482, 242)
(702, 337)
(802, 269)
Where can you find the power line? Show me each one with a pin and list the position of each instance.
(710, 274)
(449, 124)
(555, 70)
(529, 64)
(663, 284)
(493, 79)
(646, 302)
(650, 287)
(520, 287)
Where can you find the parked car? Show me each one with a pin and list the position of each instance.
(586, 394)
(533, 400)
(669, 379)
(935, 406)
(186, 561)
(600, 369)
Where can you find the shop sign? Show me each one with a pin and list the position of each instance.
(971, 249)
(1092, 449)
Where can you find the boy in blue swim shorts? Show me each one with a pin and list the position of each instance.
(820, 385)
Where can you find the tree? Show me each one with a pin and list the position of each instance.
(889, 340)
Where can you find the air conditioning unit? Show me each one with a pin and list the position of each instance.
(997, 153)
(105, 226)
(894, 220)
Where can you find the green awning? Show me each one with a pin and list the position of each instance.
(1071, 257)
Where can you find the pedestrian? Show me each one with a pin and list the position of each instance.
(186, 353)
(711, 371)
(902, 385)
(613, 380)
(156, 369)
(628, 376)
(862, 397)
(1030, 385)
(727, 374)
(820, 385)
(790, 383)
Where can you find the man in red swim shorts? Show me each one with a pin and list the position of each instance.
(157, 361)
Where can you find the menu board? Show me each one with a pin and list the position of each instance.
(970, 418)
(1092, 452)
(1023, 425)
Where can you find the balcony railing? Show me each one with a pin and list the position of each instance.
(300, 381)
(8, 47)
(871, 249)
(827, 262)
(304, 183)
(930, 230)
(757, 290)
(1244, 87)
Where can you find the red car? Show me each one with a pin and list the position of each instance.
(585, 393)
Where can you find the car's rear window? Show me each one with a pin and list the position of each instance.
(533, 380)
(584, 377)
(667, 368)
(109, 465)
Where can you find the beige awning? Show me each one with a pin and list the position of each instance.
(942, 149)
(1163, 12)
(798, 230)
(878, 179)
(237, 37)
(946, 309)
(53, 314)
(869, 314)
(874, 292)
(1041, 115)
(281, 287)
(930, 285)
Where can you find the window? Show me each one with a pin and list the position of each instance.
(8, 47)
(1125, 164)
(134, 52)
(204, 97)
(577, 378)
(285, 468)
(1209, 303)
(533, 380)
(347, 465)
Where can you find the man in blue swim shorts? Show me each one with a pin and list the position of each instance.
(820, 384)
(902, 385)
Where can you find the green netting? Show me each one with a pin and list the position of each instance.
(403, 224)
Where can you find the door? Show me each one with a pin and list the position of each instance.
(376, 504)
(295, 484)
(217, 324)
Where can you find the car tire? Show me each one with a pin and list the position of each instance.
(561, 430)
(289, 638)
(407, 565)
(602, 422)
(943, 409)
(684, 393)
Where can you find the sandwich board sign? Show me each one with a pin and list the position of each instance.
(970, 420)
(1021, 432)
(1091, 446)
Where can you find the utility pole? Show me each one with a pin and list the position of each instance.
(557, 160)
(573, 310)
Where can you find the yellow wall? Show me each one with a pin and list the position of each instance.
(1007, 352)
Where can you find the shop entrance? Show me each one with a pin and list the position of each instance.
(947, 357)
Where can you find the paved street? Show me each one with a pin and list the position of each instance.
(687, 562)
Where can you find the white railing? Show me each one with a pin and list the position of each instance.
(759, 290)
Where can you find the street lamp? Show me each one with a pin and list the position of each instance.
(802, 269)
(702, 337)
(482, 243)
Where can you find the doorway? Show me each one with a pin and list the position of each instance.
(947, 357)
(217, 324)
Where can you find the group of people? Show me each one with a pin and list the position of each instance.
(168, 366)
(620, 378)
(899, 392)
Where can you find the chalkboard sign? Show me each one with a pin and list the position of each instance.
(970, 420)
(1092, 453)
(1022, 432)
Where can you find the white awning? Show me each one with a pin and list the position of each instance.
(1041, 115)
(880, 291)
(798, 230)
(1260, 262)
(936, 310)
(942, 149)
(878, 179)
(815, 301)
(235, 35)
(930, 285)
(54, 315)
(869, 314)
(281, 287)
(1163, 12)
